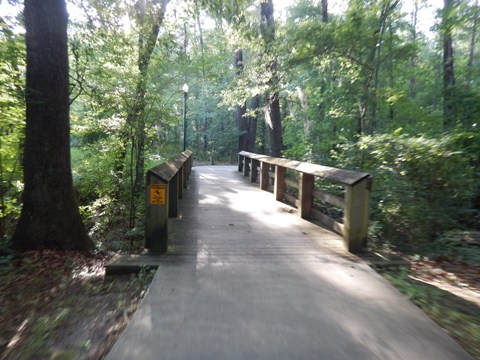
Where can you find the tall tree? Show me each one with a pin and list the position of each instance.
(204, 85)
(473, 40)
(50, 216)
(252, 123)
(240, 109)
(272, 101)
(149, 17)
(448, 63)
(414, 57)
(324, 11)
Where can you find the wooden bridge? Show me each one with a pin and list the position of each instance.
(245, 277)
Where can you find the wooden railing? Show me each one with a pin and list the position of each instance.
(165, 184)
(354, 202)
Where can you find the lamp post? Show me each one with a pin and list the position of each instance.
(185, 95)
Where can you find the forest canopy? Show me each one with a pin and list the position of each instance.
(367, 85)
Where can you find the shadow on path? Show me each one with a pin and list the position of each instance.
(245, 279)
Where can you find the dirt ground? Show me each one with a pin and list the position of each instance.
(60, 305)
(449, 293)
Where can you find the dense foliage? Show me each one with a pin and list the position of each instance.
(361, 88)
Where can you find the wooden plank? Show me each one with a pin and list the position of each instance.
(184, 170)
(328, 222)
(264, 177)
(340, 176)
(240, 162)
(165, 171)
(329, 198)
(254, 170)
(292, 183)
(173, 197)
(291, 199)
(306, 195)
(279, 189)
(246, 166)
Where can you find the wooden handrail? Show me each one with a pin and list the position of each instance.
(165, 184)
(354, 204)
(345, 177)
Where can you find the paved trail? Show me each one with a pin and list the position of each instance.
(246, 279)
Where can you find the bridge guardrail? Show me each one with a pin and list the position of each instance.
(165, 184)
(357, 187)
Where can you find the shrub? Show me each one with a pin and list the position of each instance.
(422, 186)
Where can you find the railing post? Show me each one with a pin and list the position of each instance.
(189, 164)
(185, 175)
(246, 166)
(173, 197)
(254, 170)
(305, 194)
(240, 162)
(279, 189)
(356, 214)
(180, 184)
(264, 176)
(156, 222)
(165, 184)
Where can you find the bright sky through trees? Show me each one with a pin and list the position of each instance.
(426, 14)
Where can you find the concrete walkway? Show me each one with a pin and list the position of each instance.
(246, 279)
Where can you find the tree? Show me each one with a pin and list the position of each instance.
(473, 39)
(448, 63)
(325, 11)
(50, 216)
(149, 18)
(240, 109)
(272, 102)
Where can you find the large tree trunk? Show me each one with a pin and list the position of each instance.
(387, 9)
(272, 103)
(324, 11)
(204, 88)
(252, 124)
(50, 216)
(448, 67)
(242, 123)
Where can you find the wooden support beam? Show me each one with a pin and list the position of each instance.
(356, 215)
(246, 166)
(279, 189)
(254, 170)
(173, 197)
(264, 175)
(306, 195)
(240, 162)
(184, 170)
(165, 184)
(156, 221)
(181, 180)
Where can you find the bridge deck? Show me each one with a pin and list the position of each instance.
(246, 279)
